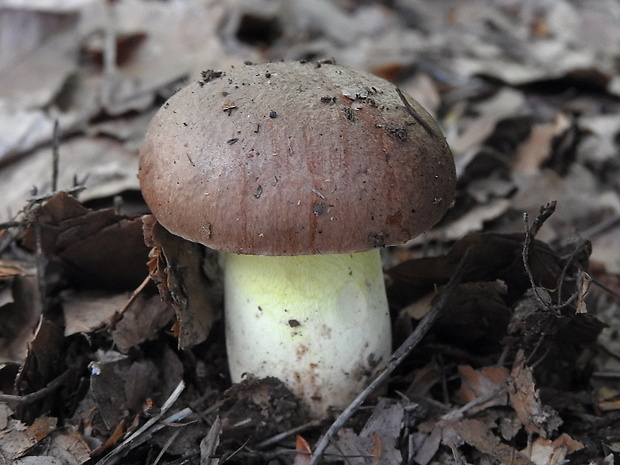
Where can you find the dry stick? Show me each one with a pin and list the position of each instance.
(279, 437)
(399, 355)
(530, 234)
(115, 455)
(55, 156)
(37, 395)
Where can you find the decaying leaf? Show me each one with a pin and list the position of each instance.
(376, 442)
(119, 386)
(95, 248)
(525, 399)
(209, 444)
(20, 309)
(15, 440)
(187, 274)
(527, 96)
(303, 449)
(487, 383)
(478, 434)
(547, 452)
(493, 256)
(87, 312)
(141, 321)
(42, 364)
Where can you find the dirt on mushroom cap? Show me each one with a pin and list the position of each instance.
(295, 158)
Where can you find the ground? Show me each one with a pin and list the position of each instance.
(107, 354)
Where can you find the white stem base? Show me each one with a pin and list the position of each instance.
(319, 323)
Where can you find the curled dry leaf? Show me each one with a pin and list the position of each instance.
(477, 433)
(487, 382)
(187, 275)
(525, 399)
(95, 248)
(547, 452)
(303, 449)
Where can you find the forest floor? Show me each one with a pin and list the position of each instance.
(522, 364)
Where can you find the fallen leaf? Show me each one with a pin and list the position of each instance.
(303, 449)
(477, 434)
(141, 321)
(525, 400)
(547, 452)
(20, 309)
(188, 275)
(91, 244)
(209, 444)
(487, 382)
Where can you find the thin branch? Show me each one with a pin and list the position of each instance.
(530, 234)
(71, 191)
(37, 395)
(399, 355)
(147, 429)
(55, 156)
(283, 435)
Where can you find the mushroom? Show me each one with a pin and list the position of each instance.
(299, 173)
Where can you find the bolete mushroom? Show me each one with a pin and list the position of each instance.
(299, 173)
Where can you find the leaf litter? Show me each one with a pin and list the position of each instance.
(520, 366)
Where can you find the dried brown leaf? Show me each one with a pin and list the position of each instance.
(188, 274)
(358, 450)
(547, 452)
(86, 312)
(20, 309)
(69, 447)
(485, 382)
(42, 364)
(536, 149)
(119, 386)
(141, 322)
(302, 457)
(386, 420)
(42, 427)
(493, 257)
(15, 440)
(525, 400)
(97, 248)
(476, 433)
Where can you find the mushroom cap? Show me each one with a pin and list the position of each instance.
(295, 158)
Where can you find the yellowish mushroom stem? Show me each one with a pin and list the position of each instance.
(319, 323)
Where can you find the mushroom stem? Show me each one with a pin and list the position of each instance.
(319, 323)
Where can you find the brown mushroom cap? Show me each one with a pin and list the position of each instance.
(295, 159)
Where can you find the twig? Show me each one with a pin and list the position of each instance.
(279, 437)
(167, 445)
(605, 288)
(415, 114)
(399, 355)
(145, 429)
(37, 395)
(458, 413)
(530, 234)
(603, 226)
(71, 191)
(132, 298)
(55, 156)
